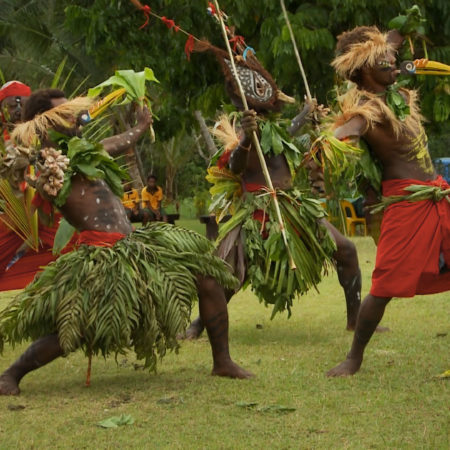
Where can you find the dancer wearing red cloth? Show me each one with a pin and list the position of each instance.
(413, 255)
(19, 263)
(13, 95)
(120, 289)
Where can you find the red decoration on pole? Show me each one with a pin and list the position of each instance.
(170, 23)
(237, 40)
(146, 10)
(189, 46)
(213, 8)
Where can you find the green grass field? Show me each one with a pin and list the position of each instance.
(394, 402)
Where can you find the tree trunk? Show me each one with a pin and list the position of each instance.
(133, 168)
(211, 147)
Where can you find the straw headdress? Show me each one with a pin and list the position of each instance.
(29, 133)
(360, 54)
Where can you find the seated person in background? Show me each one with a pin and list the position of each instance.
(130, 201)
(151, 198)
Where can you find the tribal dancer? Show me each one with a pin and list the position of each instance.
(13, 96)
(251, 240)
(20, 258)
(120, 289)
(413, 255)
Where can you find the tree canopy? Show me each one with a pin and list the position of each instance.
(96, 37)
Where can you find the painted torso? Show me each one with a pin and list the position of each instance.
(92, 206)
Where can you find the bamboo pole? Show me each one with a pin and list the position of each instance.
(255, 139)
(297, 54)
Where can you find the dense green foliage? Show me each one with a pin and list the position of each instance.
(100, 36)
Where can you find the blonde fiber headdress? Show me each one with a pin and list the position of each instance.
(29, 133)
(362, 54)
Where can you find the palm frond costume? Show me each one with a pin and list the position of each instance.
(251, 240)
(114, 292)
(136, 294)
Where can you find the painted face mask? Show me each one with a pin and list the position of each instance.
(259, 87)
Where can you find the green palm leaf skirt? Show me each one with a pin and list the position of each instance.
(135, 295)
(267, 262)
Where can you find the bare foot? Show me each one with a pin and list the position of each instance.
(345, 368)
(231, 370)
(8, 385)
(193, 332)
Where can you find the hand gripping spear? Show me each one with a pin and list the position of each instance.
(256, 140)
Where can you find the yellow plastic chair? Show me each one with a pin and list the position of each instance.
(351, 219)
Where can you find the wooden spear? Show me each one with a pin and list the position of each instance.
(255, 139)
(297, 54)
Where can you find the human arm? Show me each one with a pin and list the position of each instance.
(115, 145)
(354, 127)
(239, 157)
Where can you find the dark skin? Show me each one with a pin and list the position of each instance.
(244, 161)
(11, 108)
(400, 161)
(91, 205)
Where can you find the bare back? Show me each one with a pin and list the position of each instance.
(91, 205)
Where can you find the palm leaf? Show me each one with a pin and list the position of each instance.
(17, 214)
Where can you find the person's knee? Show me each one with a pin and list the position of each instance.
(208, 287)
(346, 251)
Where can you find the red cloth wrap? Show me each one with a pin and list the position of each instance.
(14, 89)
(224, 158)
(258, 214)
(413, 235)
(98, 238)
(25, 269)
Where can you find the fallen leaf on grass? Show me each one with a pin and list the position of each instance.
(116, 421)
(313, 430)
(12, 407)
(276, 408)
(246, 404)
(266, 408)
(170, 400)
(445, 374)
(123, 398)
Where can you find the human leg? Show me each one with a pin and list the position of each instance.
(370, 314)
(38, 354)
(349, 274)
(147, 216)
(196, 327)
(214, 315)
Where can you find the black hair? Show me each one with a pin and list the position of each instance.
(39, 102)
(151, 176)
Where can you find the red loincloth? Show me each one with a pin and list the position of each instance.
(24, 270)
(413, 236)
(99, 238)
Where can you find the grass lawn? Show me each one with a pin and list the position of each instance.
(394, 402)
